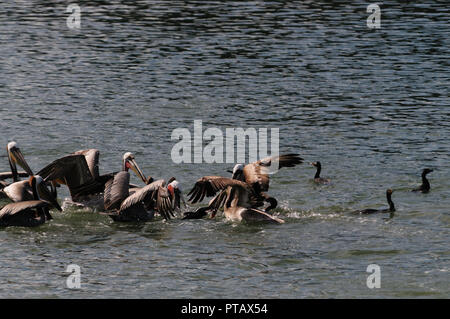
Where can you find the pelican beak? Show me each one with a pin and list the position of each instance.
(17, 156)
(47, 196)
(230, 171)
(134, 166)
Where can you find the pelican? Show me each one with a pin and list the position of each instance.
(142, 204)
(237, 198)
(80, 172)
(30, 212)
(15, 157)
(256, 175)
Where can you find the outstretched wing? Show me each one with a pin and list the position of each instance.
(74, 171)
(164, 203)
(209, 186)
(153, 192)
(142, 194)
(257, 173)
(92, 157)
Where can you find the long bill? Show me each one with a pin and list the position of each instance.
(135, 167)
(18, 158)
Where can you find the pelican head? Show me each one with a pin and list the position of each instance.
(15, 158)
(175, 191)
(129, 162)
(41, 192)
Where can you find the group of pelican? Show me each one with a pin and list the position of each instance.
(241, 196)
(111, 193)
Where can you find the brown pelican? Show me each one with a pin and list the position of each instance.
(237, 198)
(256, 174)
(142, 204)
(391, 208)
(31, 212)
(15, 157)
(80, 172)
(425, 187)
(23, 191)
(317, 178)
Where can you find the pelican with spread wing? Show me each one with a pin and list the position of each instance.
(80, 172)
(142, 204)
(256, 174)
(238, 199)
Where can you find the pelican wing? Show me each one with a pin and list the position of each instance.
(15, 208)
(116, 190)
(19, 191)
(164, 203)
(218, 201)
(210, 185)
(257, 173)
(92, 157)
(72, 170)
(142, 194)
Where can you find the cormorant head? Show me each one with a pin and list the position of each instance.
(316, 164)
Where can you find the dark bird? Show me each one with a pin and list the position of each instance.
(31, 212)
(425, 187)
(143, 203)
(80, 172)
(237, 198)
(317, 178)
(256, 175)
(391, 208)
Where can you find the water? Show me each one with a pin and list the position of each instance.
(371, 105)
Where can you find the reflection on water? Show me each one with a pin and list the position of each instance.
(371, 105)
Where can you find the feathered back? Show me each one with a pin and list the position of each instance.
(116, 190)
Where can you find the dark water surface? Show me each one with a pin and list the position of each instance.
(371, 105)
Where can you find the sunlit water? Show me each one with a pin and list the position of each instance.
(371, 105)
